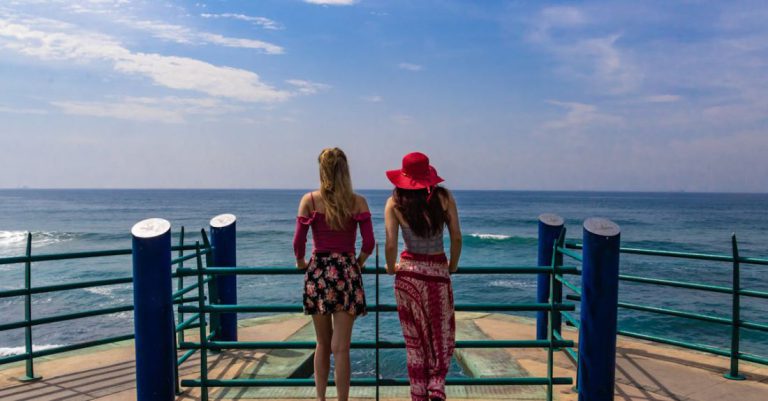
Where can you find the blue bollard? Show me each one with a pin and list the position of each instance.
(599, 298)
(153, 310)
(550, 226)
(224, 243)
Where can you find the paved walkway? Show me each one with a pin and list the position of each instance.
(645, 371)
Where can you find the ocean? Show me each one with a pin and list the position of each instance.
(499, 229)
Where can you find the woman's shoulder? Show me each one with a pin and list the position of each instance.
(361, 203)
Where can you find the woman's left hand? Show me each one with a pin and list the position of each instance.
(301, 264)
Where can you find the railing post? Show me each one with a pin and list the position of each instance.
(733, 373)
(378, 377)
(30, 371)
(550, 226)
(599, 299)
(153, 310)
(224, 242)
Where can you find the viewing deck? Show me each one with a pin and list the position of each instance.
(645, 370)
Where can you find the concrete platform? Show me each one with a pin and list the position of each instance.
(645, 371)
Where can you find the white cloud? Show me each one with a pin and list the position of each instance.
(167, 109)
(184, 35)
(410, 67)
(584, 55)
(307, 87)
(16, 110)
(122, 110)
(373, 98)
(402, 119)
(579, 116)
(169, 71)
(332, 2)
(263, 22)
(665, 98)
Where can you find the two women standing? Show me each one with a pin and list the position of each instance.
(333, 286)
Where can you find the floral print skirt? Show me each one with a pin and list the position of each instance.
(333, 283)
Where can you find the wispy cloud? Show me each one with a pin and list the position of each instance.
(185, 35)
(167, 109)
(33, 39)
(306, 87)
(373, 98)
(332, 2)
(410, 67)
(580, 116)
(263, 22)
(402, 119)
(582, 53)
(17, 110)
(666, 98)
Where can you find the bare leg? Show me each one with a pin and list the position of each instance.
(324, 333)
(342, 336)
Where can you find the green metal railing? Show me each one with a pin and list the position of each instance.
(735, 290)
(28, 322)
(206, 344)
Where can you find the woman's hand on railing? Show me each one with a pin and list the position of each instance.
(301, 264)
(392, 269)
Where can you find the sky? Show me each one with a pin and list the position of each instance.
(520, 95)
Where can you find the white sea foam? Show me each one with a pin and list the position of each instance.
(18, 239)
(8, 351)
(109, 291)
(517, 284)
(491, 236)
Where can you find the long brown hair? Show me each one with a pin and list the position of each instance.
(422, 210)
(336, 188)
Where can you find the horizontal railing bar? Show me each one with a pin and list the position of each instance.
(372, 382)
(679, 284)
(371, 344)
(82, 255)
(569, 253)
(678, 313)
(66, 348)
(69, 316)
(245, 270)
(65, 287)
(528, 307)
(693, 346)
(684, 255)
(187, 257)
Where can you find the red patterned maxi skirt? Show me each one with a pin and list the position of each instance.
(425, 305)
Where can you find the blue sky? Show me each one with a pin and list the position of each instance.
(593, 95)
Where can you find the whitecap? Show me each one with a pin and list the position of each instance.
(512, 284)
(8, 351)
(498, 237)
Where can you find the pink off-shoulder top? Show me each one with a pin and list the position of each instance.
(325, 239)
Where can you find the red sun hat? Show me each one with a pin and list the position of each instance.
(415, 174)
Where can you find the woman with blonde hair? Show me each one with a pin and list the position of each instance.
(333, 284)
(422, 210)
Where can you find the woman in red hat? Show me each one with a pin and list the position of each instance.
(422, 210)
(333, 284)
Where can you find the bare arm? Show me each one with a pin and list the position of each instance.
(391, 226)
(300, 238)
(366, 232)
(454, 231)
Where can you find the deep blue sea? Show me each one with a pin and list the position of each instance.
(499, 228)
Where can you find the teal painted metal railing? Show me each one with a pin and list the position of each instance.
(28, 322)
(205, 343)
(736, 291)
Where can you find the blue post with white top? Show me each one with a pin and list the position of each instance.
(550, 226)
(224, 243)
(153, 311)
(599, 302)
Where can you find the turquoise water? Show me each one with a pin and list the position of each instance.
(499, 229)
